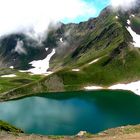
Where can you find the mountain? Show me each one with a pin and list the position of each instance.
(18, 50)
(102, 51)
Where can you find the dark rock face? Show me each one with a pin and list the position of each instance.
(18, 50)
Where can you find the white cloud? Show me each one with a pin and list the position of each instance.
(126, 4)
(19, 15)
(20, 47)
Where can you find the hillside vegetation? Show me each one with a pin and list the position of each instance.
(101, 49)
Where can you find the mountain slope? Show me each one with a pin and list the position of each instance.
(99, 52)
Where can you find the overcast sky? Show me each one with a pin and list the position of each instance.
(18, 15)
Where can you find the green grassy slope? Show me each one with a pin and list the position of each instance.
(110, 42)
(7, 84)
(9, 128)
(123, 68)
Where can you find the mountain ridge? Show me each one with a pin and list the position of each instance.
(97, 52)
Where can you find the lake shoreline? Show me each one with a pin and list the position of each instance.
(21, 96)
(45, 85)
(123, 132)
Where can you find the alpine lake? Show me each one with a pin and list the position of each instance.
(69, 113)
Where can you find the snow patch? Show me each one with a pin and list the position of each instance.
(41, 66)
(48, 73)
(134, 87)
(133, 15)
(128, 22)
(46, 49)
(92, 87)
(76, 70)
(94, 61)
(136, 37)
(61, 40)
(10, 75)
(11, 67)
(23, 71)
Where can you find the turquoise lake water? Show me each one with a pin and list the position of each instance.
(69, 113)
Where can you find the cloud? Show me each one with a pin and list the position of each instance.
(36, 15)
(20, 47)
(125, 4)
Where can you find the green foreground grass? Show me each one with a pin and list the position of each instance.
(9, 128)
